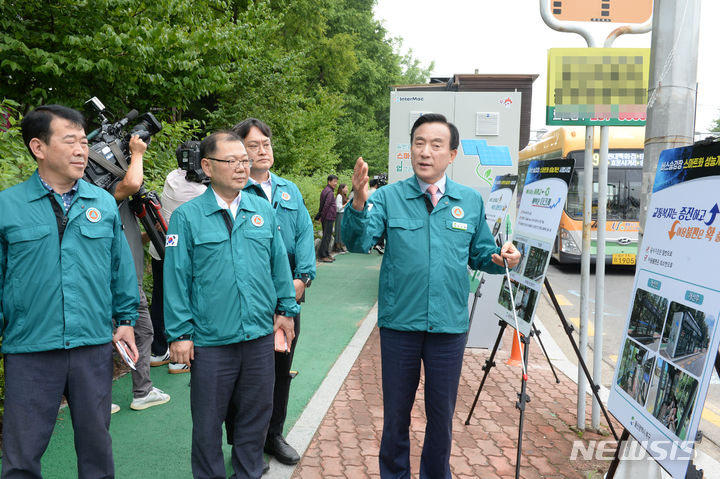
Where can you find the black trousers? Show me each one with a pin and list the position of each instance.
(34, 386)
(281, 393)
(240, 374)
(283, 363)
(159, 344)
(327, 230)
(403, 353)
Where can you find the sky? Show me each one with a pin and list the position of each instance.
(509, 36)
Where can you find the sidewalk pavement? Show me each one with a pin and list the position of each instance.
(348, 438)
(346, 417)
(337, 397)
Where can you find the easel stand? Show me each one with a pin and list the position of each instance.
(692, 471)
(523, 398)
(489, 363)
(568, 331)
(542, 346)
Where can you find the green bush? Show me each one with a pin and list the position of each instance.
(312, 186)
(16, 164)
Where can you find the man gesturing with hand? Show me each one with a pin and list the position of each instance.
(434, 229)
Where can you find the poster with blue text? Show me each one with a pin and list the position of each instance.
(497, 212)
(670, 339)
(541, 200)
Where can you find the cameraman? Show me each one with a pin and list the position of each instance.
(180, 186)
(144, 394)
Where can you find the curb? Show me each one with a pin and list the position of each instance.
(304, 429)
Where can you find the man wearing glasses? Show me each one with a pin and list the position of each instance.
(226, 277)
(297, 232)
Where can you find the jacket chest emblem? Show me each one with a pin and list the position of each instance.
(257, 220)
(285, 196)
(457, 212)
(93, 215)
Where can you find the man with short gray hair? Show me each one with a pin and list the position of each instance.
(228, 288)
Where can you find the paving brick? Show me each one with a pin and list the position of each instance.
(333, 466)
(348, 439)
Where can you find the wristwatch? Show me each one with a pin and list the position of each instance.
(305, 278)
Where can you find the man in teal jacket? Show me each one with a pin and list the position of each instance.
(226, 277)
(65, 273)
(297, 233)
(434, 229)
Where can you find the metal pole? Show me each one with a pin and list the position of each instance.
(600, 267)
(586, 33)
(672, 88)
(600, 241)
(581, 30)
(585, 270)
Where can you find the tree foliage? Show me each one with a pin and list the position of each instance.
(317, 71)
(716, 125)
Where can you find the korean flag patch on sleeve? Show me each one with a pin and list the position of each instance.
(171, 240)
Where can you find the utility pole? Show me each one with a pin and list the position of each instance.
(590, 37)
(672, 88)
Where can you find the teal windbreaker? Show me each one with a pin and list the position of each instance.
(223, 288)
(424, 282)
(294, 220)
(61, 296)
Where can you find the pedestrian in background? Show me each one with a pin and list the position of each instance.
(327, 214)
(340, 201)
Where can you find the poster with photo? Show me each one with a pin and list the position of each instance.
(497, 212)
(664, 369)
(542, 198)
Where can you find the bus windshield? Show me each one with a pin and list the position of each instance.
(623, 188)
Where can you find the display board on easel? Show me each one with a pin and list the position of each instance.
(671, 338)
(498, 217)
(497, 208)
(540, 204)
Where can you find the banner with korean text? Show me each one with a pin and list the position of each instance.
(497, 212)
(540, 205)
(670, 339)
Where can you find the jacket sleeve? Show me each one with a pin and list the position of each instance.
(361, 230)
(482, 245)
(3, 269)
(304, 241)
(123, 280)
(282, 276)
(177, 276)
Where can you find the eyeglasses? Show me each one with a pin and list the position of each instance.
(234, 163)
(256, 146)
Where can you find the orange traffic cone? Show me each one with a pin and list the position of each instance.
(515, 356)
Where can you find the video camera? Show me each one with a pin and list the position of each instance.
(188, 158)
(381, 179)
(109, 157)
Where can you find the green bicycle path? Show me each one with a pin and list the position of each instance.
(156, 442)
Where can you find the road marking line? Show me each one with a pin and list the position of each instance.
(591, 327)
(710, 416)
(562, 300)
